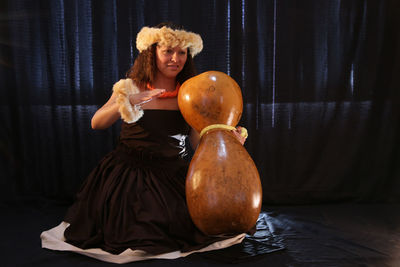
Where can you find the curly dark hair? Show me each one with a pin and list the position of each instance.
(144, 68)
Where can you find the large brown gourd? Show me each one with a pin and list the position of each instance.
(223, 188)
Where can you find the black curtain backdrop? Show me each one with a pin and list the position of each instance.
(320, 81)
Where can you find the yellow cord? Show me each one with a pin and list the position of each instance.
(225, 127)
(244, 132)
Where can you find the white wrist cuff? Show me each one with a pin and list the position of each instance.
(124, 88)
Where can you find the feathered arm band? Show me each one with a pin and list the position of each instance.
(124, 88)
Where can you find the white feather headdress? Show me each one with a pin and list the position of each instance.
(169, 37)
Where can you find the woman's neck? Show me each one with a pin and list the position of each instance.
(163, 82)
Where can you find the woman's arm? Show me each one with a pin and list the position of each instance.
(106, 115)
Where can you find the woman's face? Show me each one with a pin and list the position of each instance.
(170, 61)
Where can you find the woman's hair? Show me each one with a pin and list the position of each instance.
(144, 68)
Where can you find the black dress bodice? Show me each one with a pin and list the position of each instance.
(159, 132)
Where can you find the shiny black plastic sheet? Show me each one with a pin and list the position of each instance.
(262, 242)
(312, 236)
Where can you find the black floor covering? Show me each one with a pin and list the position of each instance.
(345, 234)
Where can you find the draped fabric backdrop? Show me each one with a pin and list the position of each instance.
(320, 81)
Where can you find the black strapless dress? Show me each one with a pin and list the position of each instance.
(135, 197)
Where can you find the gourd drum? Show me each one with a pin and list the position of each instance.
(223, 188)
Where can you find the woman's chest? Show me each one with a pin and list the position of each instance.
(162, 103)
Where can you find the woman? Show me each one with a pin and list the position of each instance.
(132, 206)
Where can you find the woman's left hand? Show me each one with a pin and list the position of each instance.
(238, 134)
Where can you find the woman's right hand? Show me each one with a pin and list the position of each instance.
(145, 96)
